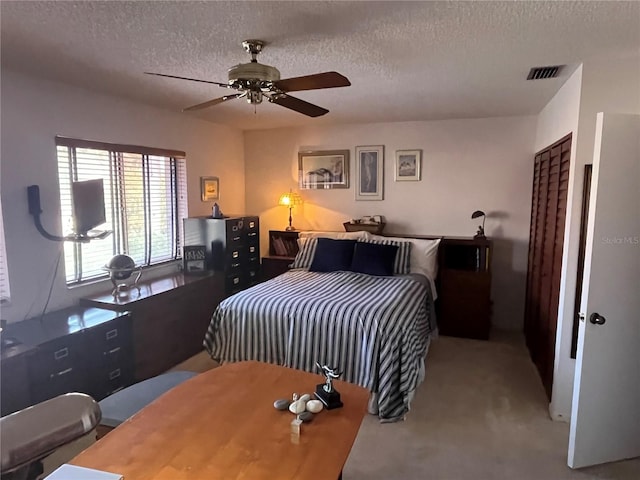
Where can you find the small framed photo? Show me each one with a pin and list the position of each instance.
(370, 172)
(209, 188)
(194, 259)
(408, 165)
(323, 169)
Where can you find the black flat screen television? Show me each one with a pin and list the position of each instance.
(88, 205)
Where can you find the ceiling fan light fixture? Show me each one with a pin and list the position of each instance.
(253, 71)
(255, 81)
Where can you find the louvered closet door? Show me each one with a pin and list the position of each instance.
(546, 234)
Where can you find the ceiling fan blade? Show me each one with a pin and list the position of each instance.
(312, 82)
(298, 105)
(213, 102)
(226, 85)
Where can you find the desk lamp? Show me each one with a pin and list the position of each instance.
(290, 199)
(478, 214)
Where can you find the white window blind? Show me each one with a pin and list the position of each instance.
(5, 293)
(145, 202)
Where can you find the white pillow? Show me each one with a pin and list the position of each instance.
(424, 254)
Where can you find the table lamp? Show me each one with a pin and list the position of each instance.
(290, 199)
(478, 214)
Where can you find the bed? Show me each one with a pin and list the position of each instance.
(375, 329)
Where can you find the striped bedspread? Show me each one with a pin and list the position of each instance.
(375, 330)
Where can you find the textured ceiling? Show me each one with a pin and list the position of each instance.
(405, 60)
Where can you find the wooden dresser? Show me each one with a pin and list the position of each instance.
(233, 247)
(170, 316)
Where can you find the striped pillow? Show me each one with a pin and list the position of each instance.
(401, 265)
(306, 253)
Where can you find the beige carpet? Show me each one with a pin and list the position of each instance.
(480, 414)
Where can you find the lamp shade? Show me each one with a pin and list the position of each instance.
(290, 199)
(477, 213)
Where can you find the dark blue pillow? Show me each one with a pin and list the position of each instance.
(374, 258)
(332, 255)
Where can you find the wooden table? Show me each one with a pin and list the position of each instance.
(222, 425)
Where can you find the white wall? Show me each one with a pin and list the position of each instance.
(611, 85)
(467, 165)
(33, 113)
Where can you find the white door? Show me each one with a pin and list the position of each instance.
(605, 417)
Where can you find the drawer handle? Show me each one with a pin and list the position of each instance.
(112, 334)
(237, 239)
(252, 249)
(252, 234)
(115, 374)
(61, 373)
(252, 273)
(236, 280)
(235, 254)
(112, 351)
(235, 265)
(62, 353)
(252, 224)
(234, 228)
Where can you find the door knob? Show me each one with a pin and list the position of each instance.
(597, 319)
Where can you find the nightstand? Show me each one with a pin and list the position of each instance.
(283, 248)
(273, 266)
(464, 293)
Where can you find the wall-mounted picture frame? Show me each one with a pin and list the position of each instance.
(408, 165)
(370, 172)
(323, 169)
(209, 188)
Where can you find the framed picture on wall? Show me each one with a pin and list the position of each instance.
(323, 169)
(408, 165)
(209, 188)
(370, 172)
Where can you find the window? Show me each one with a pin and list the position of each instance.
(145, 201)
(4, 272)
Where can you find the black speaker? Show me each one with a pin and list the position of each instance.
(33, 192)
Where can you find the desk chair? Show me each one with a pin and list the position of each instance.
(31, 434)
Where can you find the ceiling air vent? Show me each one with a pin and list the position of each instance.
(539, 73)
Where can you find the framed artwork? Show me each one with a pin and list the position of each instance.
(407, 165)
(323, 169)
(194, 258)
(209, 188)
(370, 172)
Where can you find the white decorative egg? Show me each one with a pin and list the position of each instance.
(297, 407)
(314, 406)
(305, 398)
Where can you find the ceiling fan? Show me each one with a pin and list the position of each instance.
(255, 81)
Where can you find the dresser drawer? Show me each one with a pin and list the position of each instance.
(107, 381)
(253, 252)
(252, 224)
(54, 358)
(252, 236)
(236, 282)
(253, 275)
(235, 236)
(109, 343)
(58, 368)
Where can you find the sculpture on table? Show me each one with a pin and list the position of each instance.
(325, 392)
